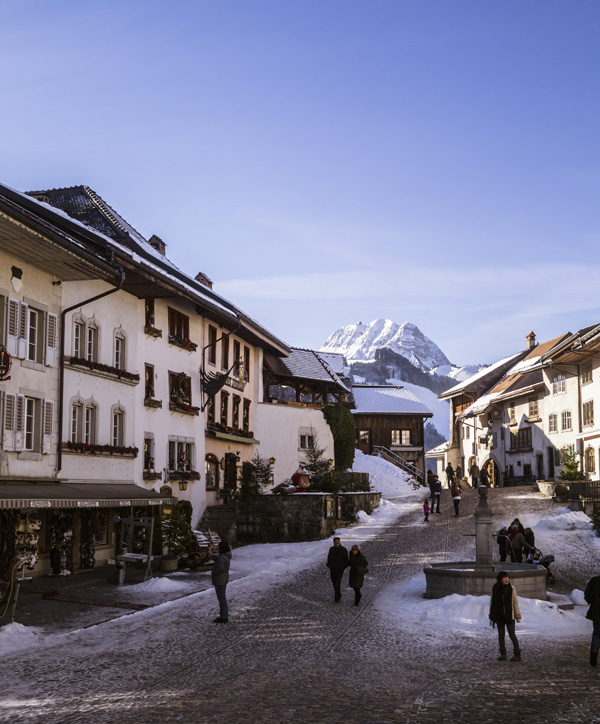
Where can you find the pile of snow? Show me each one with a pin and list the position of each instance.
(577, 597)
(385, 478)
(158, 585)
(406, 606)
(566, 520)
(14, 636)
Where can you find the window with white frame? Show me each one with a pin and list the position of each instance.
(511, 412)
(181, 455)
(588, 413)
(395, 435)
(91, 347)
(119, 352)
(566, 420)
(534, 408)
(553, 422)
(305, 440)
(85, 339)
(27, 423)
(83, 422)
(31, 332)
(78, 339)
(559, 383)
(89, 428)
(117, 427)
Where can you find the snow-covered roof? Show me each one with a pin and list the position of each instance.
(306, 364)
(385, 399)
(481, 375)
(438, 450)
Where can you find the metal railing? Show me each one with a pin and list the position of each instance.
(399, 462)
(589, 490)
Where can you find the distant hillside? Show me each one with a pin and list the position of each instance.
(388, 365)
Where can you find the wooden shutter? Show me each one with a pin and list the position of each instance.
(8, 423)
(51, 330)
(12, 336)
(20, 423)
(48, 426)
(23, 322)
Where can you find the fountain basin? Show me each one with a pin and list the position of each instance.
(468, 579)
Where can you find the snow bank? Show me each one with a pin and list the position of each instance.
(386, 478)
(566, 520)
(405, 605)
(158, 585)
(577, 597)
(14, 636)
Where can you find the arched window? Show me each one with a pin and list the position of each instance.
(211, 467)
(590, 460)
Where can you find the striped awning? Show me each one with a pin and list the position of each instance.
(31, 495)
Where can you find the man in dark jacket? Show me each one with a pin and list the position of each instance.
(437, 494)
(592, 596)
(220, 579)
(337, 562)
(450, 475)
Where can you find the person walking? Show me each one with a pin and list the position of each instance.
(358, 568)
(220, 579)
(337, 562)
(592, 596)
(437, 494)
(426, 511)
(474, 473)
(518, 544)
(450, 475)
(431, 483)
(502, 541)
(484, 478)
(504, 611)
(459, 473)
(455, 497)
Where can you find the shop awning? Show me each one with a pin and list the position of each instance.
(31, 495)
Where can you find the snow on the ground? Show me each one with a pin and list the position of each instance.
(256, 568)
(405, 605)
(385, 478)
(577, 597)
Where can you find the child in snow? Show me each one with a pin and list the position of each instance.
(426, 510)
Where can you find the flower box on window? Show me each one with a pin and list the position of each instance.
(151, 331)
(151, 475)
(183, 342)
(151, 402)
(183, 407)
(184, 475)
(115, 372)
(84, 448)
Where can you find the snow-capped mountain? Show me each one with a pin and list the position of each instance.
(359, 342)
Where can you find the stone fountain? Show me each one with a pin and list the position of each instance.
(476, 578)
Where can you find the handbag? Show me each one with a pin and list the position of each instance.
(361, 570)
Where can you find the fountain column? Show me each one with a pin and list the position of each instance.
(483, 530)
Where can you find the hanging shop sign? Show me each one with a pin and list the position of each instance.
(5, 363)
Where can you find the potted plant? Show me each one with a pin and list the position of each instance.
(177, 537)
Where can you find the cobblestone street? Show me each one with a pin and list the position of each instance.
(294, 656)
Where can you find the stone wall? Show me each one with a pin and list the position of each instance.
(298, 517)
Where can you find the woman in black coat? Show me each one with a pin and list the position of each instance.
(358, 568)
(504, 611)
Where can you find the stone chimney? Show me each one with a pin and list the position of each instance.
(158, 244)
(203, 279)
(530, 339)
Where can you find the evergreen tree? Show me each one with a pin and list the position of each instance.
(570, 465)
(255, 476)
(321, 473)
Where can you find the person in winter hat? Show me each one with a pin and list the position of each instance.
(504, 612)
(502, 541)
(358, 568)
(592, 596)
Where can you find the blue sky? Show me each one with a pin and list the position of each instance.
(333, 161)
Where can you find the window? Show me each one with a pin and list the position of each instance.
(31, 333)
(559, 383)
(212, 341)
(247, 363)
(148, 452)
(306, 441)
(235, 416)
(78, 336)
(180, 388)
(553, 423)
(181, 455)
(586, 373)
(468, 431)
(31, 427)
(533, 408)
(590, 460)
(511, 412)
(395, 437)
(236, 355)
(211, 468)
(210, 410)
(83, 423)
(89, 431)
(149, 314)
(91, 348)
(117, 436)
(405, 437)
(520, 439)
(246, 416)
(179, 325)
(225, 352)
(149, 382)
(588, 413)
(119, 355)
(76, 416)
(566, 420)
(224, 406)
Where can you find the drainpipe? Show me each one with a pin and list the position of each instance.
(61, 382)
